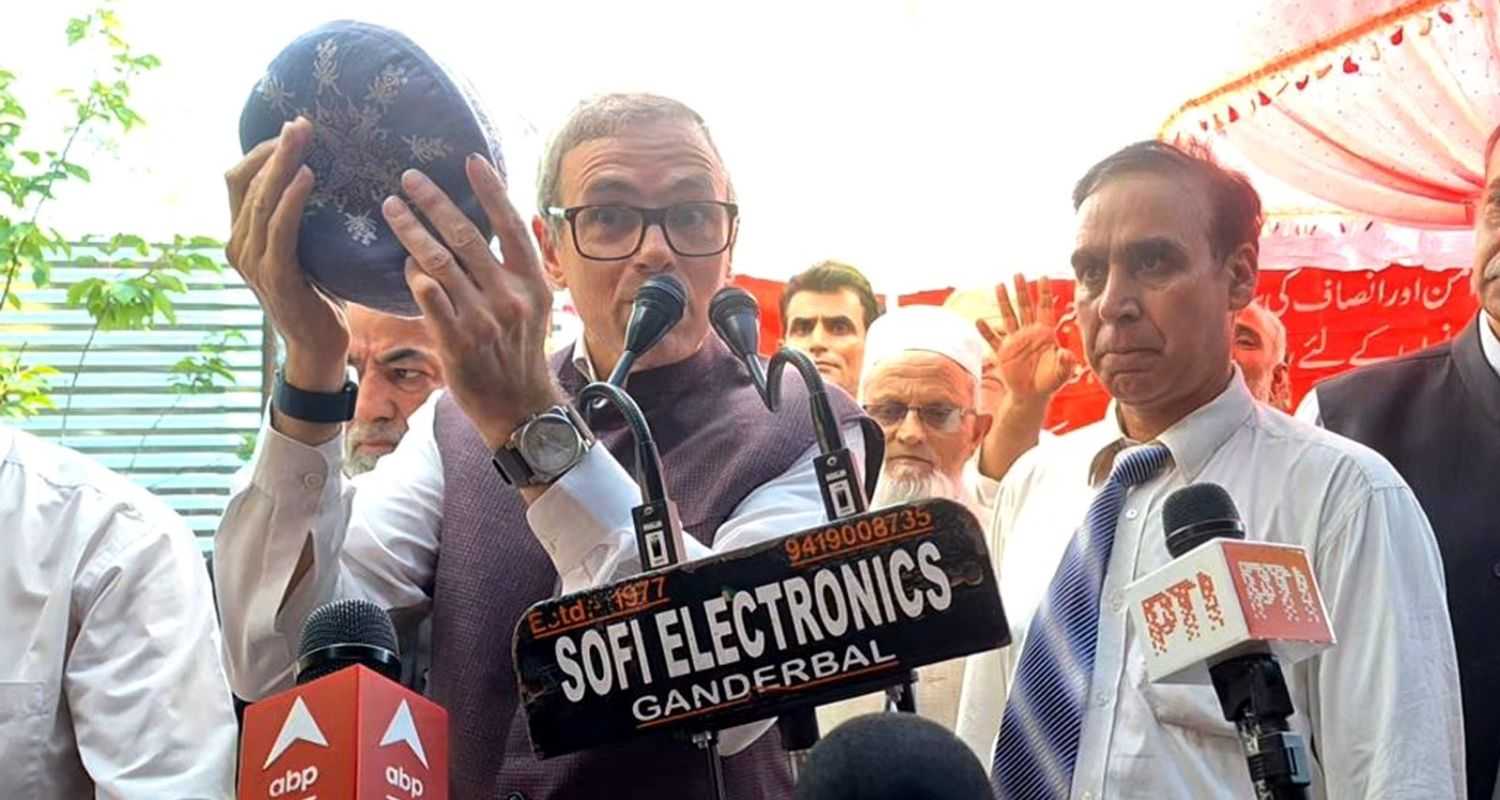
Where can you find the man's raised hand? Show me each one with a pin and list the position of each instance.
(488, 315)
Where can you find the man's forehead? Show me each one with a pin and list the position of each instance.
(920, 372)
(372, 333)
(665, 157)
(1140, 206)
(810, 304)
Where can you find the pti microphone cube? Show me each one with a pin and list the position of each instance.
(1223, 598)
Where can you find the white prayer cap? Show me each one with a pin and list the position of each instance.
(974, 304)
(924, 328)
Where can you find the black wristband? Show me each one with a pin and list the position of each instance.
(512, 467)
(326, 407)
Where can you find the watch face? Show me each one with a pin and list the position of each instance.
(550, 444)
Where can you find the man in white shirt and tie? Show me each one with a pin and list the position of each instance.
(1165, 255)
(111, 683)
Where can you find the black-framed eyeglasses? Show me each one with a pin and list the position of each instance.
(941, 417)
(614, 231)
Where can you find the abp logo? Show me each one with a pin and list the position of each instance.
(298, 727)
(294, 781)
(403, 729)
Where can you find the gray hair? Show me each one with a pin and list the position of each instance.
(608, 115)
(1275, 329)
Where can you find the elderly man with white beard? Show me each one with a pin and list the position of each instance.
(920, 382)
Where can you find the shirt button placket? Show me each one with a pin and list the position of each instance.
(1117, 601)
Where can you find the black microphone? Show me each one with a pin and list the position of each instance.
(344, 633)
(658, 307)
(1251, 689)
(895, 756)
(735, 317)
(1195, 514)
(315, 739)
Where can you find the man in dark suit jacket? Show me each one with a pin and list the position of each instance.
(1435, 415)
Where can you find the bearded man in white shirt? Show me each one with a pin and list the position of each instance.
(1165, 255)
(632, 186)
(112, 683)
(920, 383)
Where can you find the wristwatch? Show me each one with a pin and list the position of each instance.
(314, 406)
(546, 445)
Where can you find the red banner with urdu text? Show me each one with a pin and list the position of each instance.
(1335, 320)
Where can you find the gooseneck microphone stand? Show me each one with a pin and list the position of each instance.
(658, 531)
(735, 317)
(658, 307)
(838, 479)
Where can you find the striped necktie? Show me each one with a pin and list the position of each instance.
(1038, 743)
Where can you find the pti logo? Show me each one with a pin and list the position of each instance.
(1174, 606)
(1287, 591)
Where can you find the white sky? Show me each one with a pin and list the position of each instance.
(929, 143)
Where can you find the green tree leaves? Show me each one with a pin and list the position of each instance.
(139, 284)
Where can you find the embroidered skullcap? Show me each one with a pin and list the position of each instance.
(379, 105)
(925, 328)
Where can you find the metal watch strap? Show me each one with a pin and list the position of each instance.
(324, 407)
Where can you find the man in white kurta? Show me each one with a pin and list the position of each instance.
(111, 683)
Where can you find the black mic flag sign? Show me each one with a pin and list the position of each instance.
(811, 618)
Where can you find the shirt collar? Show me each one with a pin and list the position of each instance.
(581, 360)
(1191, 441)
(1488, 341)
